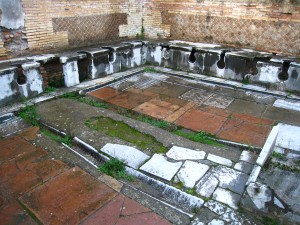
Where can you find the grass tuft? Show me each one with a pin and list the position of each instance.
(30, 115)
(50, 89)
(151, 70)
(201, 137)
(68, 140)
(115, 168)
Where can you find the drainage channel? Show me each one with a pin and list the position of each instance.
(179, 205)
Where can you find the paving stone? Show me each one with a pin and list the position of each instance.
(111, 182)
(226, 197)
(74, 191)
(207, 185)
(157, 108)
(129, 155)
(291, 105)
(131, 207)
(214, 110)
(179, 153)
(219, 101)
(191, 172)
(252, 119)
(196, 95)
(198, 120)
(204, 216)
(178, 113)
(248, 157)
(13, 213)
(159, 166)
(10, 148)
(231, 179)
(108, 214)
(122, 210)
(47, 169)
(104, 93)
(219, 160)
(247, 107)
(288, 137)
(243, 167)
(260, 194)
(217, 207)
(282, 115)
(244, 132)
(130, 100)
(232, 216)
(30, 133)
(216, 222)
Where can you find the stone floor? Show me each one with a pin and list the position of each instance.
(236, 115)
(37, 189)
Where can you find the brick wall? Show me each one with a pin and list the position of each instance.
(56, 24)
(270, 25)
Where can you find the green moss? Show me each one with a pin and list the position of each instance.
(116, 169)
(123, 131)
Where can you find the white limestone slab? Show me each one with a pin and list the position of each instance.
(207, 185)
(268, 146)
(219, 160)
(179, 153)
(217, 207)
(288, 137)
(216, 222)
(231, 179)
(278, 203)
(254, 174)
(191, 172)
(247, 157)
(243, 167)
(280, 103)
(260, 194)
(129, 155)
(226, 197)
(159, 166)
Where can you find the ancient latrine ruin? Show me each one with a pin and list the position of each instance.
(228, 71)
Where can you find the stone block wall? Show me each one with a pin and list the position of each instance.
(46, 25)
(270, 25)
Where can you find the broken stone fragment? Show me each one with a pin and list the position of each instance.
(260, 195)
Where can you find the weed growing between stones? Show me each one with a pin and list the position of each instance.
(123, 131)
(151, 70)
(68, 140)
(201, 137)
(93, 102)
(191, 191)
(116, 169)
(157, 123)
(179, 185)
(278, 155)
(30, 115)
(50, 89)
(269, 221)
